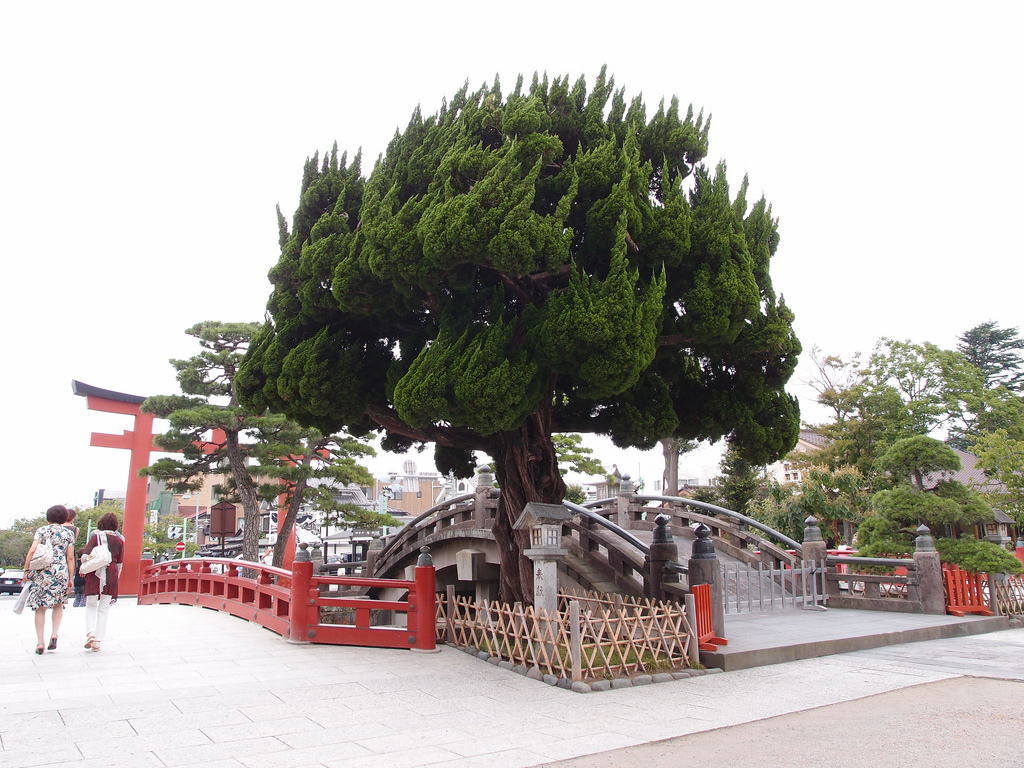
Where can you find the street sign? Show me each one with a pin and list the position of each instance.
(180, 546)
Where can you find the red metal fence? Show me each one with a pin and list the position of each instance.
(290, 602)
(705, 620)
(966, 592)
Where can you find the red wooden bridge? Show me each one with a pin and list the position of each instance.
(294, 603)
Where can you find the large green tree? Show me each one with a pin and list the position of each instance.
(553, 260)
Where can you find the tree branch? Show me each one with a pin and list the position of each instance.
(450, 437)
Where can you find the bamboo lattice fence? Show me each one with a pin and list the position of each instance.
(1009, 594)
(590, 637)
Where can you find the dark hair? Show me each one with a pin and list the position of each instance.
(108, 522)
(71, 515)
(58, 514)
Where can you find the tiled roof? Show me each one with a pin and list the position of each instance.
(967, 475)
(815, 439)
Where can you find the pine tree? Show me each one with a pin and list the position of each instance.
(264, 455)
(996, 352)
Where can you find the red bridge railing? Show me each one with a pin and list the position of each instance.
(290, 602)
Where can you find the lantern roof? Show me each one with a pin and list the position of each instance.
(536, 513)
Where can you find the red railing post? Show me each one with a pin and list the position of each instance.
(299, 610)
(423, 614)
(145, 587)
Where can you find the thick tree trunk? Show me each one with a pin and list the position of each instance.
(670, 478)
(246, 488)
(527, 470)
(285, 524)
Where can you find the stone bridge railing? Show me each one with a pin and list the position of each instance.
(470, 515)
(736, 535)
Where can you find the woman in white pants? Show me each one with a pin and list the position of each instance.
(101, 585)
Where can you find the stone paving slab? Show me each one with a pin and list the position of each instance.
(175, 685)
(759, 639)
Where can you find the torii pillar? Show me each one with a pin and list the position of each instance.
(139, 441)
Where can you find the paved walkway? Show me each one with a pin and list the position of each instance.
(177, 685)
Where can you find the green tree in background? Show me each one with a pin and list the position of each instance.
(573, 456)
(997, 352)
(1001, 456)
(209, 405)
(553, 260)
(290, 457)
(14, 545)
(899, 510)
(740, 479)
(163, 546)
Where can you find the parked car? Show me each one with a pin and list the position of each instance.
(10, 580)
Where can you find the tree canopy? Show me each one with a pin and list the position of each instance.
(548, 261)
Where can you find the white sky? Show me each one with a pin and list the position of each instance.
(145, 145)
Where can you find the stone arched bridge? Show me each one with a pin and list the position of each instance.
(607, 541)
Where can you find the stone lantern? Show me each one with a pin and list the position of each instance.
(544, 522)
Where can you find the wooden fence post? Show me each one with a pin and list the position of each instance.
(575, 641)
(449, 615)
(691, 618)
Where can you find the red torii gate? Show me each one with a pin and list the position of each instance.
(139, 441)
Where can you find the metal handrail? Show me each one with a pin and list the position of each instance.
(749, 521)
(890, 562)
(618, 531)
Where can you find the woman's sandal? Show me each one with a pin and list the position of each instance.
(96, 646)
(89, 640)
(53, 644)
(39, 650)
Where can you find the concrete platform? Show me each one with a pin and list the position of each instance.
(183, 686)
(760, 639)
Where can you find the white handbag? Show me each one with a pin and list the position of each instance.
(22, 601)
(100, 556)
(42, 558)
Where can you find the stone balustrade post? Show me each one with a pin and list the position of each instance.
(929, 573)
(664, 550)
(705, 568)
(622, 502)
(372, 554)
(815, 550)
(484, 485)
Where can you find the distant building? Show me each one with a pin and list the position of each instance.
(411, 492)
(787, 470)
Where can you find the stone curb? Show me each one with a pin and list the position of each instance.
(534, 673)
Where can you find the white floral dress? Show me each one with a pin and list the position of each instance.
(48, 587)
